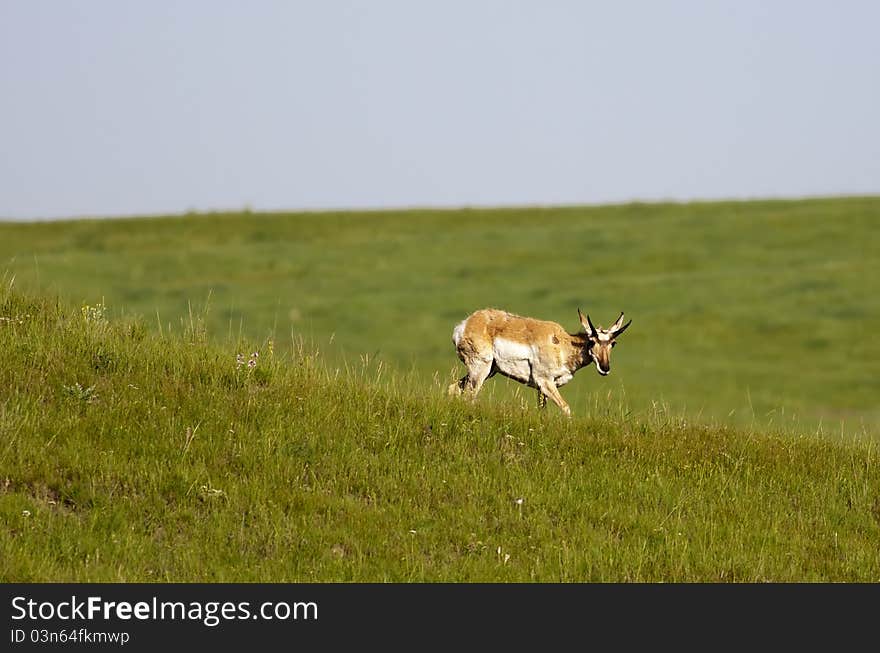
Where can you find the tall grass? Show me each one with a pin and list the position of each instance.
(130, 455)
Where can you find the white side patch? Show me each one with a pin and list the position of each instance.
(509, 349)
(513, 358)
(458, 332)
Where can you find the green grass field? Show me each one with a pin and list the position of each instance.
(736, 439)
(747, 313)
(132, 457)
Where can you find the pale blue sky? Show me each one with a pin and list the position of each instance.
(110, 107)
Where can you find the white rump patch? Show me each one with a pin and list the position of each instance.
(458, 332)
(513, 358)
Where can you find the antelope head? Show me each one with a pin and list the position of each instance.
(601, 341)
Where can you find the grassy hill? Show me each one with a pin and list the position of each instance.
(130, 455)
(755, 314)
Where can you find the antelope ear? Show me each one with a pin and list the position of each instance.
(587, 324)
(583, 320)
(617, 332)
(617, 323)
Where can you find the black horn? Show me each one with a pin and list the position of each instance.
(621, 329)
(594, 333)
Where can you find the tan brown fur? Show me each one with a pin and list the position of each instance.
(485, 325)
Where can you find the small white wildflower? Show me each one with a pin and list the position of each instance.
(18, 319)
(506, 557)
(412, 532)
(26, 513)
(209, 491)
(95, 314)
(519, 501)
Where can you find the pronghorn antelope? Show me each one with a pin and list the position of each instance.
(539, 353)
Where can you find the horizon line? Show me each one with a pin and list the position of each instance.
(400, 208)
